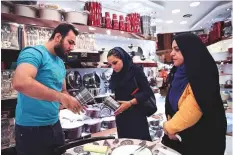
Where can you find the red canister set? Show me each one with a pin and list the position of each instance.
(135, 23)
(131, 23)
(95, 9)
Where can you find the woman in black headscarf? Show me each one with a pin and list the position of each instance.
(131, 120)
(194, 108)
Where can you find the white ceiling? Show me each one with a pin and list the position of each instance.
(207, 10)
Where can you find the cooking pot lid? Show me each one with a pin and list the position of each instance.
(112, 118)
(71, 125)
(152, 119)
(92, 121)
(92, 109)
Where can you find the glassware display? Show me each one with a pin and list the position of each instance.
(36, 35)
(85, 41)
(7, 89)
(9, 36)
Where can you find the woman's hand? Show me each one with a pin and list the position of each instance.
(171, 136)
(124, 105)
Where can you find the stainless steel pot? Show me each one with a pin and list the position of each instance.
(94, 91)
(72, 130)
(92, 112)
(84, 96)
(50, 14)
(153, 122)
(111, 103)
(92, 125)
(108, 122)
(25, 10)
(76, 17)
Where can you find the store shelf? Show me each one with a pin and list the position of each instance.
(103, 95)
(145, 64)
(161, 52)
(52, 24)
(220, 46)
(224, 74)
(9, 98)
(224, 62)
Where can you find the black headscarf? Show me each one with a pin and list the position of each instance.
(202, 73)
(117, 77)
(203, 77)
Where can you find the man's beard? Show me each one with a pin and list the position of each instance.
(59, 50)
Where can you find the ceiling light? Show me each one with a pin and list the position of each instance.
(183, 22)
(194, 4)
(187, 15)
(158, 20)
(228, 9)
(201, 27)
(169, 21)
(175, 11)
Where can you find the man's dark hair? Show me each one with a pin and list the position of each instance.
(63, 29)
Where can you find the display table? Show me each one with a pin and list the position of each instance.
(152, 147)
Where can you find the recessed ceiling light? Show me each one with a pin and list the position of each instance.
(228, 9)
(183, 22)
(158, 20)
(194, 4)
(175, 11)
(169, 21)
(201, 27)
(187, 15)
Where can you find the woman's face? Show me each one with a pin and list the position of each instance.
(176, 55)
(115, 63)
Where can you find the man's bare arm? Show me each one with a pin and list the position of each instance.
(24, 82)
